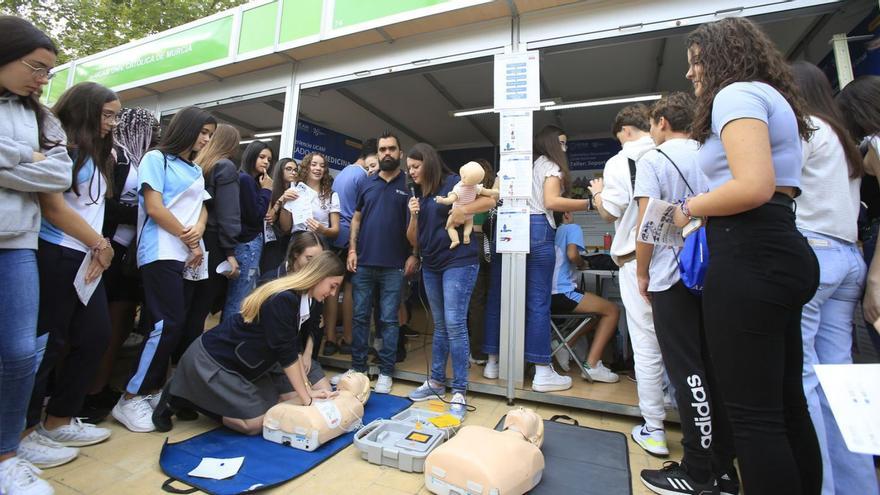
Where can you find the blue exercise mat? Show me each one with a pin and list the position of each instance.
(266, 464)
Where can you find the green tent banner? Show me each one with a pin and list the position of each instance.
(198, 45)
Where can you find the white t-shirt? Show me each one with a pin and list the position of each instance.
(657, 178)
(542, 169)
(89, 204)
(321, 210)
(617, 196)
(829, 200)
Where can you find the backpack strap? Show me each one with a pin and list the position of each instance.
(676, 169)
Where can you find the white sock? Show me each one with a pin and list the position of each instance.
(493, 359)
(543, 370)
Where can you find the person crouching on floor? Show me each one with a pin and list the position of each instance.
(238, 370)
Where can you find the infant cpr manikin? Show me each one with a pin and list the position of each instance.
(309, 427)
(483, 461)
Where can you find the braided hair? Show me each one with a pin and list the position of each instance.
(134, 133)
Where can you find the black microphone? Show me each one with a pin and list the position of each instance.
(411, 184)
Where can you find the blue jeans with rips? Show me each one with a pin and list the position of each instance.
(248, 256)
(826, 326)
(19, 305)
(539, 283)
(389, 282)
(449, 293)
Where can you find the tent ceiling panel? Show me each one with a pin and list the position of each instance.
(250, 65)
(181, 82)
(531, 5)
(334, 45)
(468, 83)
(448, 20)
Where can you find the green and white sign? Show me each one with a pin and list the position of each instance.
(258, 28)
(300, 18)
(350, 12)
(198, 45)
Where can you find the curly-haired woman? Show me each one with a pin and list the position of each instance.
(750, 121)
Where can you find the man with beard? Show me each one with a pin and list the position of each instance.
(378, 255)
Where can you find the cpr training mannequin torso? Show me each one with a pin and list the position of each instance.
(308, 427)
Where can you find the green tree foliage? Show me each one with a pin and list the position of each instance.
(84, 27)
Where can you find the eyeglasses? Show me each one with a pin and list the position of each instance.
(111, 117)
(40, 72)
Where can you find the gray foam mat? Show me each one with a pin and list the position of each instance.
(581, 460)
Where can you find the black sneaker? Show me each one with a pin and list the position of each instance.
(674, 480)
(330, 348)
(408, 331)
(186, 414)
(728, 483)
(344, 347)
(163, 412)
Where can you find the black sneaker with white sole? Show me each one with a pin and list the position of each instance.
(728, 483)
(673, 479)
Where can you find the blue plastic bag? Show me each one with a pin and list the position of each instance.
(693, 260)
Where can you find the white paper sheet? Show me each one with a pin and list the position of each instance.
(853, 392)
(512, 231)
(516, 131)
(517, 80)
(84, 290)
(515, 175)
(198, 272)
(217, 469)
(657, 226)
(301, 207)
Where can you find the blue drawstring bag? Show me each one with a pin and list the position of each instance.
(693, 258)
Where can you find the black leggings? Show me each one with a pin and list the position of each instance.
(761, 273)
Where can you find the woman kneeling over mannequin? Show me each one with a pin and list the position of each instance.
(238, 370)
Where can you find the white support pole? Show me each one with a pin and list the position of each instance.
(842, 60)
(288, 122)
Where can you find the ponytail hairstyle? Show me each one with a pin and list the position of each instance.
(18, 38)
(299, 242)
(223, 144)
(819, 102)
(183, 131)
(322, 266)
(326, 184)
(80, 111)
(134, 133)
(547, 145)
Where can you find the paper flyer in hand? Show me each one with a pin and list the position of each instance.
(854, 398)
(85, 290)
(657, 227)
(301, 207)
(198, 272)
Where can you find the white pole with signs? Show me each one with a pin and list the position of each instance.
(517, 94)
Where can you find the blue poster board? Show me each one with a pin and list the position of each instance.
(339, 149)
(591, 154)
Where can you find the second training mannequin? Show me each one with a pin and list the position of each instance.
(465, 192)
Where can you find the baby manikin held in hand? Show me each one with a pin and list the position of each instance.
(309, 427)
(480, 460)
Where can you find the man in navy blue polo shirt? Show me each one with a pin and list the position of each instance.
(379, 254)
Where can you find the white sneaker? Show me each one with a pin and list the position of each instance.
(472, 360)
(458, 406)
(44, 452)
(550, 381)
(153, 400)
(562, 357)
(76, 433)
(133, 340)
(20, 477)
(654, 441)
(383, 384)
(335, 380)
(135, 413)
(600, 373)
(491, 370)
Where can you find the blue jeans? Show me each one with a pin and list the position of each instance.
(248, 256)
(539, 282)
(449, 293)
(826, 326)
(19, 305)
(389, 282)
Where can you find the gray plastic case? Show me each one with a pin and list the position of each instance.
(397, 443)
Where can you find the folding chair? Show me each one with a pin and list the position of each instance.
(566, 326)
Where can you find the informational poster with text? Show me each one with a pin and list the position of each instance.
(512, 229)
(517, 81)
